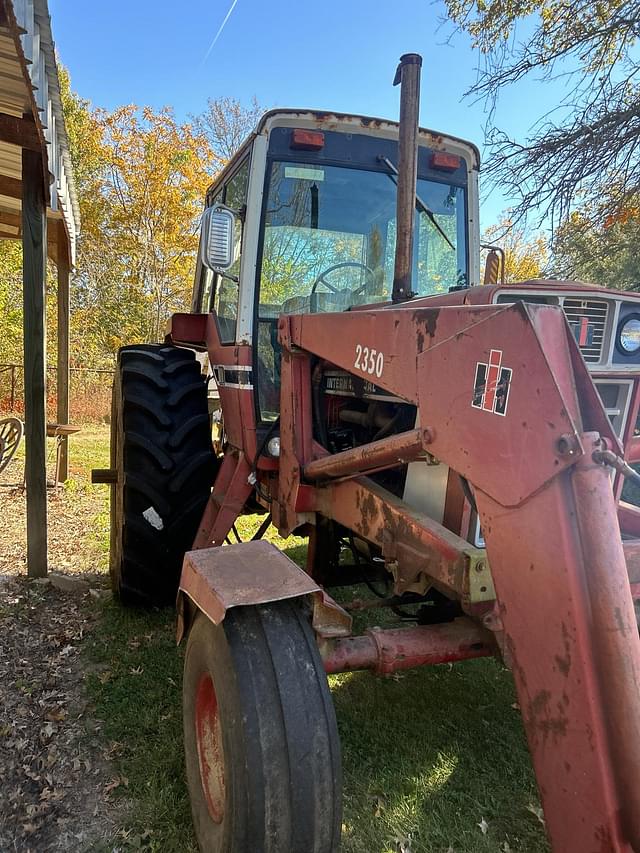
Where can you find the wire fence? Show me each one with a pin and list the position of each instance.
(89, 393)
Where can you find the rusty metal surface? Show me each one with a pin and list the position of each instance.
(230, 492)
(216, 579)
(296, 434)
(631, 548)
(418, 550)
(400, 332)
(394, 450)
(520, 428)
(629, 518)
(571, 641)
(388, 650)
(328, 618)
(408, 75)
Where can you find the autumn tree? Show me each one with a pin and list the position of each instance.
(604, 251)
(226, 123)
(525, 255)
(588, 146)
(156, 179)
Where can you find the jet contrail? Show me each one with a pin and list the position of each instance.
(217, 35)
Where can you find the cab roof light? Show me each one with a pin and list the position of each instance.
(445, 162)
(306, 140)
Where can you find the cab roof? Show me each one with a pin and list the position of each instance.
(340, 122)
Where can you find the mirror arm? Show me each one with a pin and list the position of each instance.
(224, 274)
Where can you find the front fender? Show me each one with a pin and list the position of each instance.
(216, 579)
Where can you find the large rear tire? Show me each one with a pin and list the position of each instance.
(261, 742)
(162, 451)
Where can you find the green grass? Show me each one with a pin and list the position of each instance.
(428, 754)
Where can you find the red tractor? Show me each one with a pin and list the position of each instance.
(465, 442)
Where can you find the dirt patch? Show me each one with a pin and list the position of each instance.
(57, 775)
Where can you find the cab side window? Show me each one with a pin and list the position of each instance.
(225, 286)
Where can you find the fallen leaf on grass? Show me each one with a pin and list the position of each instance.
(104, 677)
(56, 714)
(379, 804)
(136, 670)
(484, 826)
(537, 811)
(116, 783)
(47, 730)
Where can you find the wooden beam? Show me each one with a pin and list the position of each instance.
(63, 360)
(10, 187)
(34, 265)
(12, 219)
(20, 131)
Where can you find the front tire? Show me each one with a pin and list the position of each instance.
(261, 742)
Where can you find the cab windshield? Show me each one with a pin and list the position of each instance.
(328, 244)
(329, 238)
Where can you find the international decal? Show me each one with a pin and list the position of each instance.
(492, 384)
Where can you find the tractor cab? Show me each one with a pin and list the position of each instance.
(306, 216)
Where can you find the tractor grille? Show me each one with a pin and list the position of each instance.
(587, 318)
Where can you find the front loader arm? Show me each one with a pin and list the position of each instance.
(505, 400)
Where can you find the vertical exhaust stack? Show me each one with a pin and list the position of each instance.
(408, 76)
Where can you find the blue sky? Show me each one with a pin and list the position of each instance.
(334, 54)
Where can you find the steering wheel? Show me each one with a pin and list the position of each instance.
(322, 280)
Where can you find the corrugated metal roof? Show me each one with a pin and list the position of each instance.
(29, 86)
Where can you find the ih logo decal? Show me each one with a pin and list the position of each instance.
(491, 386)
(583, 332)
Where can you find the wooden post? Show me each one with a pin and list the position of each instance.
(34, 265)
(63, 357)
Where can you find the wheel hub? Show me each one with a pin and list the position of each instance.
(210, 751)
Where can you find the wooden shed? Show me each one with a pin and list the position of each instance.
(39, 206)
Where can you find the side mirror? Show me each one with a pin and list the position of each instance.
(217, 238)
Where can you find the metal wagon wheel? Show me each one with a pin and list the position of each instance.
(11, 432)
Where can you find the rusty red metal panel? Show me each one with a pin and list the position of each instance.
(379, 346)
(572, 643)
(508, 443)
(189, 329)
(228, 497)
(389, 650)
(629, 519)
(296, 434)
(633, 450)
(631, 548)
(240, 575)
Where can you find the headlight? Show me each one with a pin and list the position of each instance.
(273, 445)
(629, 335)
